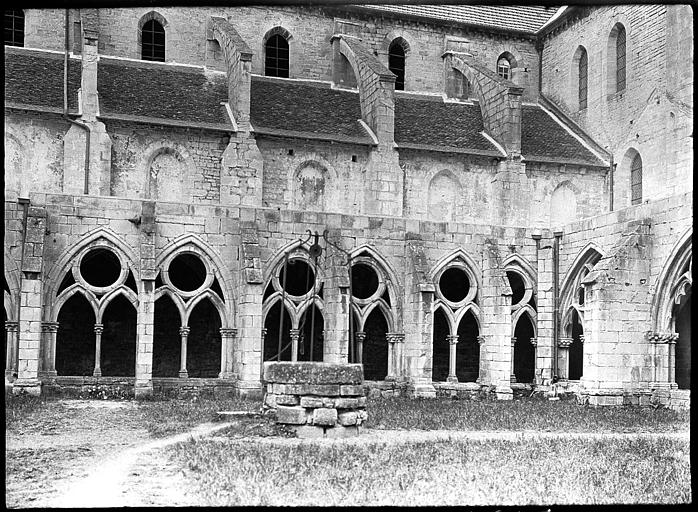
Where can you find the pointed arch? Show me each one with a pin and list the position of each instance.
(109, 297)
(525, 310)
(192, 243)
(454, 256)
(166, 291)
(11, 275)
(214, 299)
(100, 237)
(67, 294)
(383, 308)
(288, 305)
(474, 310)
(671, 282)
(589, 255)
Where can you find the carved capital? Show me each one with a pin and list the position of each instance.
(452, 339)
(228, 333)
(564, 342)
(395, 337)
(49, 326)
(295, 334)
(534, 342)
(513, 341)
(184, 331)
(481, 339)
(11, 326)
(99, 328)
(581, 338)
(656, 337)
(360, 336)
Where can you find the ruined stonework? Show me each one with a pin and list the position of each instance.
(470, 219)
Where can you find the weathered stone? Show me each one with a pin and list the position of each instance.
(347, 418)
(291, 415)
(313, 373)
(311, 401)
(287, 400)
(346, 403)
(351, 390)
(324, 416)
(309, 432)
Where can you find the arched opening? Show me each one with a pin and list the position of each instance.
(75, 339)
(454, 284)
(440, 347)
(636, 180)
(576, 350)
(396, 63)
(100, 267)
(504, 68)
(167, 347)
(682, 321)
(204, 341)
(375, 352)
(271, 337)
(616, 60)
(517, 285)
(153, 41)
(524, 351)
(187, 272)
(276, 59)
(468, 349)
(300, 279)
(310, 343)
(364, 281)
(582, 82)
(118, 346)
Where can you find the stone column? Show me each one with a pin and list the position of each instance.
(50, 329)
(227, 342)
(295, 338)
(99, 329)
(452, 342)
(513, 344)
(395, 340)
(563, 357)
(184, 333)
(360, 337)
(480, 367)
(671, 341)
(534, 342)
(12, 332)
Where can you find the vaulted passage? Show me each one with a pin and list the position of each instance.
(576, 364)
(204, 341)
(524, 351)
(119, 339)
(310, 343)
(468, 350)
(75, 339)
(683, 345)
(375, 353)
(166, 339)
(271, 338)
(440, 353)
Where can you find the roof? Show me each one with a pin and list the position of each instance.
(526, 19)
(544, 140)
(149, 91)
(34, 80)
(306, 109)
(430, 123)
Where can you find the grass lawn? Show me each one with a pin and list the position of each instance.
(542, 472)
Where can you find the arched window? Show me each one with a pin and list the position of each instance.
(620, 59)
(636, 180)
(153, 41)
(396, 63)
(504, 68)
(583, 64)
(14, 27)
(276, 56)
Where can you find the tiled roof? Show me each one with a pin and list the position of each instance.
(544, 140)
(305, 109)
(430, 123)
(34, 79)
(153, 91)
(503, 17)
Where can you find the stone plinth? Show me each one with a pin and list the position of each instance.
(316, 399)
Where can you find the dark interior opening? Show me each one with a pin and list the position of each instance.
(468, 350)
(167, 346)
(301, 277)
(271, 339)
(187, 272)
(100, 267)
(119, 339)
(75, 339)
(454, 284)
(576, 350)
(440, 347)
(518, 288)
(683, 345)
(364, 281)
(306, 350)
(204, 341)
(375, 350)
(524, 351)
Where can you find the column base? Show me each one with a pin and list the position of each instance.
(421, 390)
(97, 373)
(143, 389)
(29, 386)
(227, 376)
(504, 393)
(452, 379)
(183, 374)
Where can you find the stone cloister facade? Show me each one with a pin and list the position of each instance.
(174, 224)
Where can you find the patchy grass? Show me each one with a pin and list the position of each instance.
(23, 408)
(538, 415)
(541, 472)
(165, 417)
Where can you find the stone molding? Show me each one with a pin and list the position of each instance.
(452, 339)
(395, 337)
(656, 337)
(564, 342)
(49, 326)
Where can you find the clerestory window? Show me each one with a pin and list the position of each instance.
(14, 27)
(153, 41)
(276, 62)
(396, 64)
(583, 66)
(636, 180)
(504, 68)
